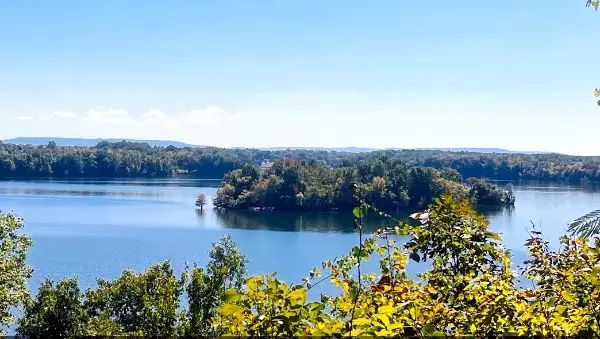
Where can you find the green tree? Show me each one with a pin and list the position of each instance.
(450, 174)
(14, 270)
(141, 304)
(422, 186)
(57, 311)
(456, 239)
(482, 191)
(206, 288)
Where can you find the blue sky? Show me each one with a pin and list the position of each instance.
(512, 74)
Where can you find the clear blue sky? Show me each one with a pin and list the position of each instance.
(512, 74)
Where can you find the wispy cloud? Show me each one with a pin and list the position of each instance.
(63, 115)
(25, 117)
(211, 116)
(198, 125)
(154, 116)
(109, 115)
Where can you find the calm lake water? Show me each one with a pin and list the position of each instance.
(93, 228)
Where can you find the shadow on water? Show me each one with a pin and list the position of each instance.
(289, 221)
(333, 221)
(494, 210)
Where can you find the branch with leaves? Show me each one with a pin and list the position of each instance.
(586, 225)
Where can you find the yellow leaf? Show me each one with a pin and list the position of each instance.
(567, 296)
(298, 295)
(253, 283)
(229, 309)
(231, 295)
(395, 326)
(344, 306)
(384, 333)
(362, 321)
(386, 309)
(384, 319)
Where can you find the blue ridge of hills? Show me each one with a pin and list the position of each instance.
(90, 142)
(164, 143)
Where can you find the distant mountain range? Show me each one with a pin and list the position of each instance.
(482, 150)
(165, 143)
(329, 149)
(89, 142)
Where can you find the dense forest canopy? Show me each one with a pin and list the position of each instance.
(131, 159)
(122, 159)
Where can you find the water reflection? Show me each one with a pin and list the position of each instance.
(78, 192)
(201, 213)
(300, 221)
(176, 182)
(493, 210)
(335, 221)
(529, 185)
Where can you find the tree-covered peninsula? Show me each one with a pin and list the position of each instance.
(140, 160)
(291, 184)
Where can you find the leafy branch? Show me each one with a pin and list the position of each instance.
(586, 225)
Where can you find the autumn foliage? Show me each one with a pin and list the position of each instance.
(470, 287)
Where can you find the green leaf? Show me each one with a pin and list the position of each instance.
(231, 296)
(415, 256)
(585, 226)
(494, 236)
(428, 329)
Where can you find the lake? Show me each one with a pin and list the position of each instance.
(98, 228)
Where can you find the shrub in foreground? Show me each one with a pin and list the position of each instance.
(469, 289)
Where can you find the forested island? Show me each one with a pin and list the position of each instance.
(140, 160)
(291, 184)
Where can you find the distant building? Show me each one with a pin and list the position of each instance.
(266, 165)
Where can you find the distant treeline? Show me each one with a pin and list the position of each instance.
(387, 184)
(500, 166)
(132, 159)
(121, 159)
